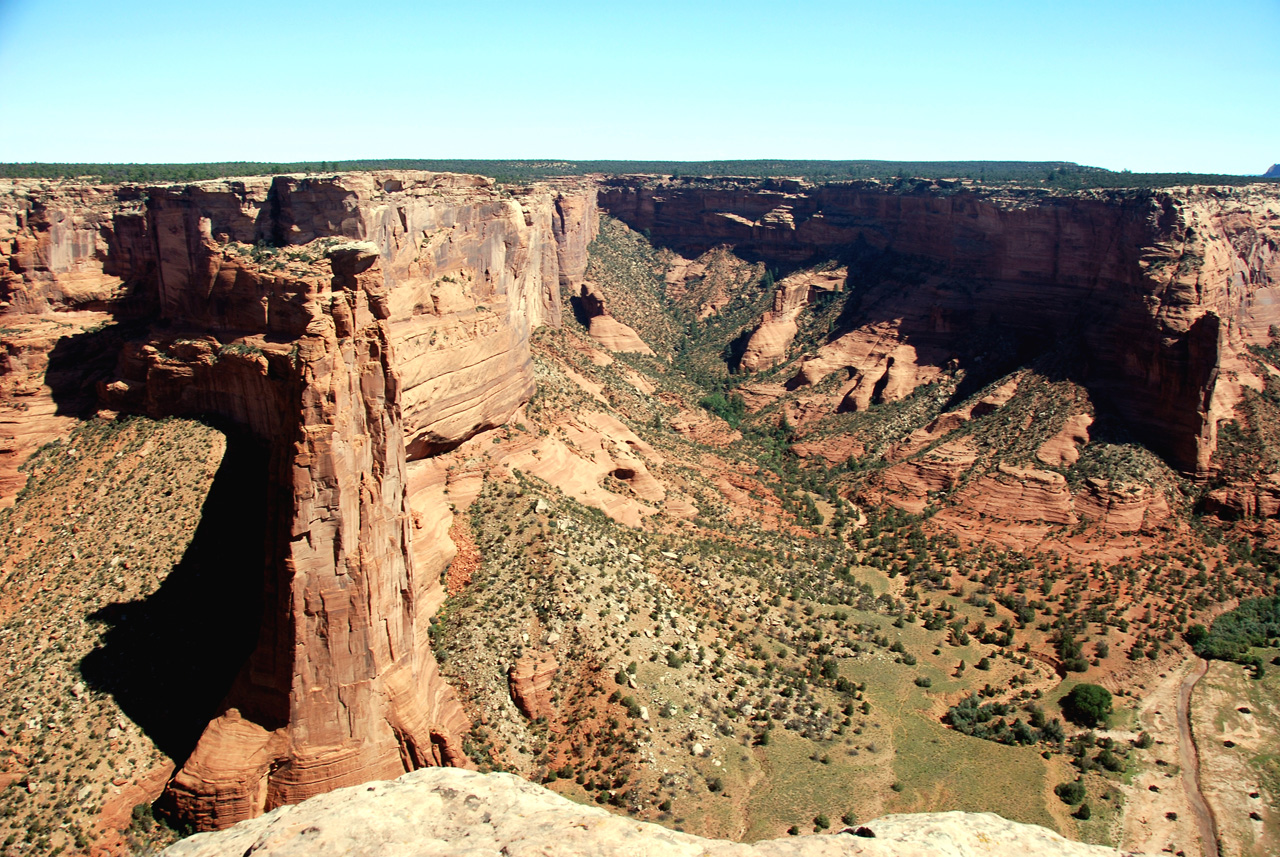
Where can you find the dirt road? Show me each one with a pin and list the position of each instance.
(1190, 759)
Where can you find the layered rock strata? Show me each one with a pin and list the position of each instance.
(1154, 294)
(451, 812)
(349, 323)
(1259, 499)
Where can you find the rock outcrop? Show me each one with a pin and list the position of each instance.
(1259, 499)
(607, 330)
(1023, 494)
(1155, 294)
(940, 469)
(768, 344)
(1122, 507)
(450, 812)
(530, 681)
(342, 687)
(349, 324)
(1063, 449)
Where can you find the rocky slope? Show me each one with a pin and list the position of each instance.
(451, 812)
(347, 324)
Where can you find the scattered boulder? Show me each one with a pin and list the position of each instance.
(530, 682)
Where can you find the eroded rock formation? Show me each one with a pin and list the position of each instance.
(349, 324)
(768, 344)
(607, 330)
(530, 680)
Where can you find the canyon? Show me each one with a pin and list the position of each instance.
(1157, 292)
(384, 341)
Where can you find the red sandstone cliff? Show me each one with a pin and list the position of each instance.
(350, 323)
(1156, 292)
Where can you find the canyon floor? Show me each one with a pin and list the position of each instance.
(725, 603)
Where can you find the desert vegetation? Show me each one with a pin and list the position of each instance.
(106, 517)
(740, 604)
(1053, 174)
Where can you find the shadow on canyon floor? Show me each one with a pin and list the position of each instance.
(169, 659)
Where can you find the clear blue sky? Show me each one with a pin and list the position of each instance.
(1148, 86)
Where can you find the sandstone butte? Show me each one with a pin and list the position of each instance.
(444, 812)
(354, 323)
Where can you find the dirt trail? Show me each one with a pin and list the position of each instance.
(1190, 759)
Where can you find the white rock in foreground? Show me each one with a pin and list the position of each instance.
(446, 812)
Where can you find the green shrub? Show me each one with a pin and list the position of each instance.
(1070, 793)
(1110, 761)
(1234, 633)
(1087, 705)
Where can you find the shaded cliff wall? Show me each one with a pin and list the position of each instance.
(1156, 292)
(347, 323)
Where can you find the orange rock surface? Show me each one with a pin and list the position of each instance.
(768, 345)
(1023, 494)
(1063, 449)
(607, 330)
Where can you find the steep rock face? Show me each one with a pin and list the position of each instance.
(575, 222)
(469, 270)
(67, 244)
(31, 367)
(451, 812)
(1260, 499)
(1154, 293)
(387, 318)
(342, 687)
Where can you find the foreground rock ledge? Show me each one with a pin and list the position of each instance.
(447, 811)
